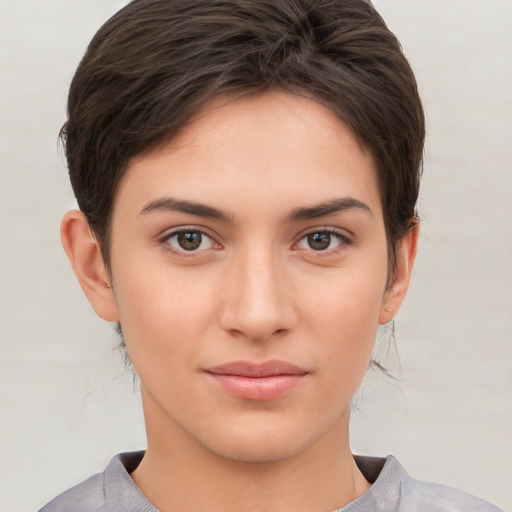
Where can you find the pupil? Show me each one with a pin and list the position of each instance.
(189, 241)
(319, 241)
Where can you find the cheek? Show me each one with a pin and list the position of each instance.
(351, 324)
(347, 300)
(163, 315)
(343, 318)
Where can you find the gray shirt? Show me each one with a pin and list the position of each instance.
(392, 490)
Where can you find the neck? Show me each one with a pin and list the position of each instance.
(179, 474)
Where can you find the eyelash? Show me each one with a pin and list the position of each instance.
(166, 241)
(343, 240)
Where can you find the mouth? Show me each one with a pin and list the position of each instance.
(257, 381)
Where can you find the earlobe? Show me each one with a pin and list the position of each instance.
(405, 256)
(84, 253)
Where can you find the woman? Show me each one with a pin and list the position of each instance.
(247, 174)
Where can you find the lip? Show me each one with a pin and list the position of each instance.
(257, 381)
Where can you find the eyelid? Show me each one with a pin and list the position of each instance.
(171, 232)
(342, 235)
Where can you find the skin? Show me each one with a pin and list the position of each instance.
(257, 288)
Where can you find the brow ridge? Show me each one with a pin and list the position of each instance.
(331, 207)
(169, 204)
(323, 209)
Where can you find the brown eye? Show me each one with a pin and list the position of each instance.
(189, 241)
(319, 241)
(326, 241)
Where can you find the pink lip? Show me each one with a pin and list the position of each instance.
(257, 381)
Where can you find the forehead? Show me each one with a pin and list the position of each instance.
(274, 148)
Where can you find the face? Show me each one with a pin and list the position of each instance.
(249, 271)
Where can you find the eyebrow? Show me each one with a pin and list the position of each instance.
(331, 207)
(168, 204)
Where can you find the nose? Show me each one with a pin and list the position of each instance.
(258, 302)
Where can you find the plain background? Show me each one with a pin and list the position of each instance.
(66, 402)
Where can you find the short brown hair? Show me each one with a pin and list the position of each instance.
(155, 63)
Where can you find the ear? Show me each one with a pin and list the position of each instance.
(84, 254)
(405, 256)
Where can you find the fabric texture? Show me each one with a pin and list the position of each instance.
(392, 490)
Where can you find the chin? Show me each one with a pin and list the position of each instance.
(255, 450)
(262, 441)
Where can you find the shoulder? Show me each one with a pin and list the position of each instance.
(394, 486)
(418, 496)
(110, 491)
(87, 496)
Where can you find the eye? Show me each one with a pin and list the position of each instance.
(189, 240)
(322, 241)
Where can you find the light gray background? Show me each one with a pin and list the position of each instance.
(66, 402)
